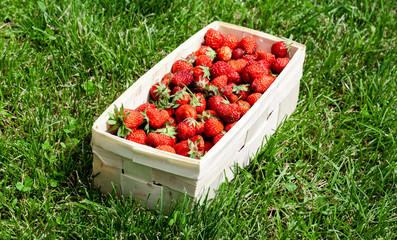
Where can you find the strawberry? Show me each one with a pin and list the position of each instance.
(193, 147)
(228, 112)
(250, 59)
(201, 84)
(181, 65)
(262, 83)
(238, 65)
(242, 91)
(279, 49)
(185, 111)
(199, 128)
(159, 90)
(229, 126)
(198, 102)
(214, 39)
(266, 65)
(124, 121)
(231, 41)
(208, 145)
(251, 72)
(170, 122)
(201, 71)
(237, 53)
(207, 114)
(243, 107)
(279, 64)
(143, 107)
(167, 78)
(156, 117)
(182, 78)
(253, 98)
(155, 139)
(227, 90)
(220, 81)
(248, 44)
(180, 96)
(263, 55)
(166, 148)
(224, 53)
(216, 138)
(213, 102)
(212, 127)
(223, 68)
(186, 129)
(204, 60)
(138, 136)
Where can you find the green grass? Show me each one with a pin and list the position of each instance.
(328, 173)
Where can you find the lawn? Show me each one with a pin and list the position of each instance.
(329, 172)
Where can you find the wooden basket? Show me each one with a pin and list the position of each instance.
(148, 173)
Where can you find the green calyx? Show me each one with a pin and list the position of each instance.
(116, 122)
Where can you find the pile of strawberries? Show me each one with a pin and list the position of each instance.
(203, 96)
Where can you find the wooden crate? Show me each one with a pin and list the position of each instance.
(147, 173)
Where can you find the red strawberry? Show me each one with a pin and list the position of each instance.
(201, 71)
(207, 146)
(214, 38)
(156, 117)
(166, 148)
(213, 127)
(201, 83)
(228, 112)
(279, 49)
(250, 59)
(266, 65)
(181, 96)
(201, 51)
(200, 128)
(238, 65)
(155, 139)
(229, 126)
(133, 119)
(159, 90)
(220, 81)
(143, 107)
(181, 65)
(279, 64)
(251, 72)
(253, 98)
(138, 136)
(167, 78)
(193, 147)
(185, 111)
(262, 83)
(242, 91)
(263, 55)
(227, 90)
(182, 148)
(237, 53)
(207, 114)
(231, 41)
(198, 102)
(216, 138)
(224, 53)
(243, 107)
(186, 129)
(204, 60)
(182, 78)
(170, 122)
(222, 68)
(248, 44)
(124, 121)
(213, 102)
